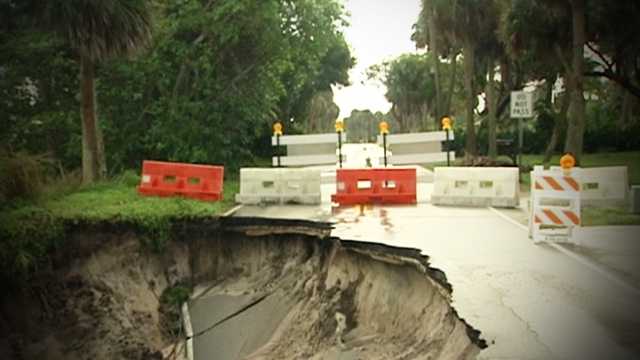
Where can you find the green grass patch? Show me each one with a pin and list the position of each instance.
(120, 201)
(592, 216)
(29, 230)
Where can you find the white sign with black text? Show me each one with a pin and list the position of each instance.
(521, 104)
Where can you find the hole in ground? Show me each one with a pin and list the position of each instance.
(290, 296)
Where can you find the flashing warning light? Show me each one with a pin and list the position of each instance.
(277, 129)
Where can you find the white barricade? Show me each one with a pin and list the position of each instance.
(306, 150)
(476, 186)
(603, 186)
(417, 148)
(555, 204)
(279, 186)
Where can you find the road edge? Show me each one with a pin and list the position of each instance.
(186, 319)
(576, 257)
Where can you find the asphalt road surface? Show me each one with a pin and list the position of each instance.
(530, 301)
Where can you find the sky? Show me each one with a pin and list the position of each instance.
(380, 30)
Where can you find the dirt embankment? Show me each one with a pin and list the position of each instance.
(262, 290)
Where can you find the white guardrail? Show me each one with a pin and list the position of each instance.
(417, 148)
(307, 150)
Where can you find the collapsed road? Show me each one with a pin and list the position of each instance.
(262, 289)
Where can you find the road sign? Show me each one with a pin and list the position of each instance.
(521, 104)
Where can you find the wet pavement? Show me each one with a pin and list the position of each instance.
(530, 301)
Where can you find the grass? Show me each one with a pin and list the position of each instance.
(119, 200)
(592, 216)
(30, 230)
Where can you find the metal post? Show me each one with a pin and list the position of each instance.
(384, 145)
(340, 148)
(448, 147)
(520, 141)
(278, 148)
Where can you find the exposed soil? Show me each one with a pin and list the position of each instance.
(263, 289)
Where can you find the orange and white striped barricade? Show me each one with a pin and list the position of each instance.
(555, 205)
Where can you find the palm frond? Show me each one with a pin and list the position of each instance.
(100, 29)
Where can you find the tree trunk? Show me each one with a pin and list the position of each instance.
(90, 154)
(101, 158)
(492, 104)
(576, 125)
(558, 125)
(433, 49)
(468, 53)
(452, 85)
(625, 119)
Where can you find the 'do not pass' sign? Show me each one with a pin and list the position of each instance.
(521, 104)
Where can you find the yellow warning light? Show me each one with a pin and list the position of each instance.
(277, 129)
(446, 123)
(339, 126)
(384, 127)
(567, 162)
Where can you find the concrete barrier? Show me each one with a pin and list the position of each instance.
(279, 186)
(417, 148)
(476, 186)
(603, 186)
(307, 150)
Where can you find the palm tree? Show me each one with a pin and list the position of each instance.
(460, 25)
(97, 30)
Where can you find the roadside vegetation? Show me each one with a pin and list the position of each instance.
(34, 225)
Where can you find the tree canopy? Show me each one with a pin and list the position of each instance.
(204, 87)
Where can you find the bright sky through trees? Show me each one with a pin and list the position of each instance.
(380, 30)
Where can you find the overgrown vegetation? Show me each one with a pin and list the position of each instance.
(171, 302)
(206, 89)
(22, 175)
(31, 229)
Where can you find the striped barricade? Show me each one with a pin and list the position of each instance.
(555, 205)
(308, 150)
(417, 148)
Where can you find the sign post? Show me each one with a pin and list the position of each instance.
(446, 126)
(521, 108)
(384, 130)
(277, 132)
(339, 130)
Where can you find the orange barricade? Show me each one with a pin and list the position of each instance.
(381, 186)
(202, 182)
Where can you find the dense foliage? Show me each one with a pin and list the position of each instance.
(206, 88)
(197, 81)
(580, 57)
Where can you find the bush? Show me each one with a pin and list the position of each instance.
(22, 176)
